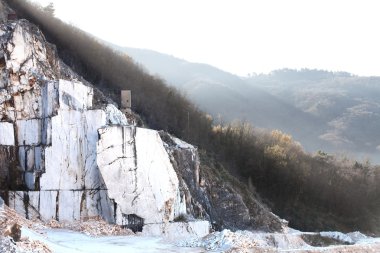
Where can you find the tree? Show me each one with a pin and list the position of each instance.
(49, 9)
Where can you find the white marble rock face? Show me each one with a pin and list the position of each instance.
(52, 123)
(62, 205)
(7, 137)
(74, 96)
(72, 154)
(138, 173)
(77, 161)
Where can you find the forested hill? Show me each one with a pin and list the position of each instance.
(348, 105)
(336, 112)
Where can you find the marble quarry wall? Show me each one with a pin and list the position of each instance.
(64, 158)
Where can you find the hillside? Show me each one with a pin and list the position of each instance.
(313, 192)
(227, 96)
(68, 153)
(347, 104)
(333, 112)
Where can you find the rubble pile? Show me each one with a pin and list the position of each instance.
(246, 241)
(94, 226)
(11, 239)
(7, 245)
(11, 217)
(28, 245)
(222, 241)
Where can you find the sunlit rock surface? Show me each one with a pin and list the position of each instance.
(64, 156)
(7, 137)
(138, 174)
(48, 132)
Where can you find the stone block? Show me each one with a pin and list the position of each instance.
(72, 154)
(48, 205)
(137, 172)
(74, 95)
(69, 205)
(50, 100)
(28, 132)
(7, 134)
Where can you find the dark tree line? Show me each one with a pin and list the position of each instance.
(314, 192)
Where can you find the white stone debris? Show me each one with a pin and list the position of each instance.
(177, 230)
(349, 238)
(244, 240)
(357, 236)
(115, 116)
(181, 144)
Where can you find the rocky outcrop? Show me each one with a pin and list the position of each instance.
(215, 195)
(49, 129)
(64, 157)
(138, 174)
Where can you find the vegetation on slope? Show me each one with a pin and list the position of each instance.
(313, 192)
(319, 192)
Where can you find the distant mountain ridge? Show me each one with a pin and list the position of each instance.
(330, 111)
(348, 105)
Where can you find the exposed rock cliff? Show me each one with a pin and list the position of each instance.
(67, 158)
(49, 129)
(67, 153)
(138, 174)
(212, 194)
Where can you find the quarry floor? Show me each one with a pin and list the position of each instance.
(97, 236)
(64, 240)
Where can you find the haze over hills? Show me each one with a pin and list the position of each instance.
(336, 112)
(347, 104)
(225, 95)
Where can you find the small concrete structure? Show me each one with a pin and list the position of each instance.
(126, 103)
(12, 16)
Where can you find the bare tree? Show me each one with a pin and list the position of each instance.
(49, 9)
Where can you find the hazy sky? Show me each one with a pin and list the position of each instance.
(240, 36)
